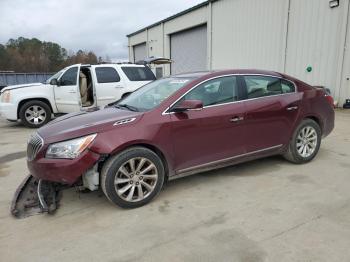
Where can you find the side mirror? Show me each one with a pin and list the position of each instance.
(54, 82)
(186, 105)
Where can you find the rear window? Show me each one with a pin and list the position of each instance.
(107, 75)
(138, 73)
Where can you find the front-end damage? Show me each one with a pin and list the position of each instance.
(36, 196)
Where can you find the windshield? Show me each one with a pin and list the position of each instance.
(152, 94)
(57, 75)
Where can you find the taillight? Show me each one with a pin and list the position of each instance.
(330, 100)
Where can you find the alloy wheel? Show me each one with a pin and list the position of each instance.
(136, 179)
(306, 141)
(35, 114)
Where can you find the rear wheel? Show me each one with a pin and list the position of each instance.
(35, 113)
(133, 177)
(305, 142)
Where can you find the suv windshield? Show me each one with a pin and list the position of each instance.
(152, 94)
(57, 75)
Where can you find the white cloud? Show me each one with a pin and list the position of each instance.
(100, 26)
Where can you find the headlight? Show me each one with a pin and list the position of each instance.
(69, 149)
(6, 96)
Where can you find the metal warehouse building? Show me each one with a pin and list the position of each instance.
(308, 39)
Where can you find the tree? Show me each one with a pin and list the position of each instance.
(32, 55)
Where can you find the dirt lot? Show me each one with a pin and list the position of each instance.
(266, 210)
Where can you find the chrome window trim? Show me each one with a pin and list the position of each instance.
(239, 101)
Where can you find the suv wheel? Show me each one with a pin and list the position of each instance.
(133, 177)
(35, 114)
(305, 142)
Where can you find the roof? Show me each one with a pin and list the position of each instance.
(172, 17)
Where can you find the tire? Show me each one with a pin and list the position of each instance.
(35, 114)
(307, 135)
(122, 186)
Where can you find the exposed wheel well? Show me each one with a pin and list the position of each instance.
(44, 100)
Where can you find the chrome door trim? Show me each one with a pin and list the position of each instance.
(233, 102)
(217, 163)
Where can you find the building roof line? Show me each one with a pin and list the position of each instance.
(172, 17)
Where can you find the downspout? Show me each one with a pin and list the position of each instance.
(344, 52)
(210, 37)
(286, 39)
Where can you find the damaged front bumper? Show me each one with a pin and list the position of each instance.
(36, 196)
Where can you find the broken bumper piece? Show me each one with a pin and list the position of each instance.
(35, 196)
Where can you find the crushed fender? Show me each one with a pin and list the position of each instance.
(35, 196)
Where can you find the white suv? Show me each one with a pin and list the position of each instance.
(74, 88)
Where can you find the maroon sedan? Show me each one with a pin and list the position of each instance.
(178, 126)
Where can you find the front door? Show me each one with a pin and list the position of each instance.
(272, 108)
(67, 95)
(213, 133)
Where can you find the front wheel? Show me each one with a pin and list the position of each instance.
(133, 177)
(35, 113)
(305, 142)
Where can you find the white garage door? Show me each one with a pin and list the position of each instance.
(140, 52)
(189, 50)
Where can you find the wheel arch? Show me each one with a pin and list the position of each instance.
(151, 147)
(317, 119)
(22, 102)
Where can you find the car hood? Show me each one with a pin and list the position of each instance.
(84, 123)
(20, 86)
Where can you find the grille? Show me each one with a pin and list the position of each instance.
(34, 145)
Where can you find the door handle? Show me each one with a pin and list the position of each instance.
(118, 86)
(236, 119)
(72, 91)
(291, 108)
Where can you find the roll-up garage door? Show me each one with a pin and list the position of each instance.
(140, 52)
(189, 50)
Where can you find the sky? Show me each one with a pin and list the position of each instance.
(97, 25)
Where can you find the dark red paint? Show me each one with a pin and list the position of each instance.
(186, 139)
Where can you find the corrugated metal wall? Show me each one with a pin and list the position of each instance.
(314, 40)
(281, 35)
(192, 41)
(140, 52)
(248, 34)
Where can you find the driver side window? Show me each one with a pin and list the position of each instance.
(69, 78)
(214, 92)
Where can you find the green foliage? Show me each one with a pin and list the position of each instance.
(32, 55)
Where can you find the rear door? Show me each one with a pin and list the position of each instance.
(67, 95)
(109, 85)
(212, 133)
(272, 107)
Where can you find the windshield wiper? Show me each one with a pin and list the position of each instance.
(131, 108)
